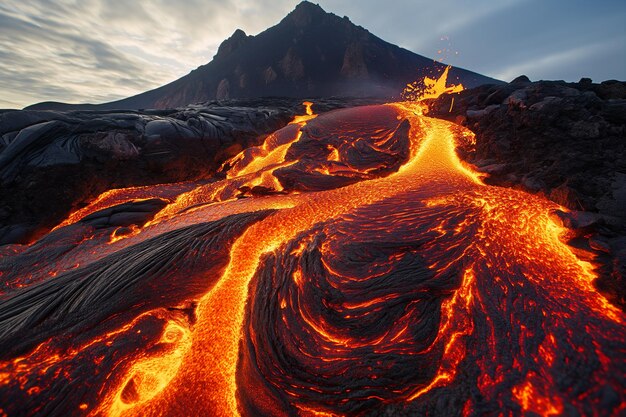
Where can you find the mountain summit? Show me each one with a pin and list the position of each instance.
(309, 53)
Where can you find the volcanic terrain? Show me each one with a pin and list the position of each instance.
(453, 252)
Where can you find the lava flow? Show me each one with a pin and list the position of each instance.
(351, 265)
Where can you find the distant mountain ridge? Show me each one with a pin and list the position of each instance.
(309, 53)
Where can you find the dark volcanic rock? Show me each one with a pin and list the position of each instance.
(54, 162)
(566, 141)
(231, 44)
(310, 53)
(131, 213)
(139, 286)
(522, 79)
(562, 139)
(65, 159)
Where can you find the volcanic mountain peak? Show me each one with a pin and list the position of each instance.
(305, 13)
(236, 40)
(309, 53)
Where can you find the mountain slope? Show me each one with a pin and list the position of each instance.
(310, 53)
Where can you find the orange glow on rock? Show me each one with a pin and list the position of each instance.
(151, 375)
(308, 108)
(507, 218)
(412, 282)
(530, 400)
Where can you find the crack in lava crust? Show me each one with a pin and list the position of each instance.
(375, 295)
(421, 292)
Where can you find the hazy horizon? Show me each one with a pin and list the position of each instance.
(103, 50)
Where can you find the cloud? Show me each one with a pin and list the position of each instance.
(492, 37)
(102, 50)
(574, 63)
(45, 59)
(418, 25)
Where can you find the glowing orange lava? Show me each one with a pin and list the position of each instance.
(491, 259)
(212, 359)
(433, 88)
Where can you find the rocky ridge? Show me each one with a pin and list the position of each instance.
(566, 141)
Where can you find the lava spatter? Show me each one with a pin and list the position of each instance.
(354, 266)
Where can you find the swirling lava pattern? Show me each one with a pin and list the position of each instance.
(363, 270)
(362, 315)
(354, 314)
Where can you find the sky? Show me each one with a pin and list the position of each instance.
(95, 51)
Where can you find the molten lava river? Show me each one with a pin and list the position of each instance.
(351, 265)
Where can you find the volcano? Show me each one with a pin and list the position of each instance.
(310, 53)
(455, 252)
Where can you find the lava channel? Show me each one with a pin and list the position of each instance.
(351, 265)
